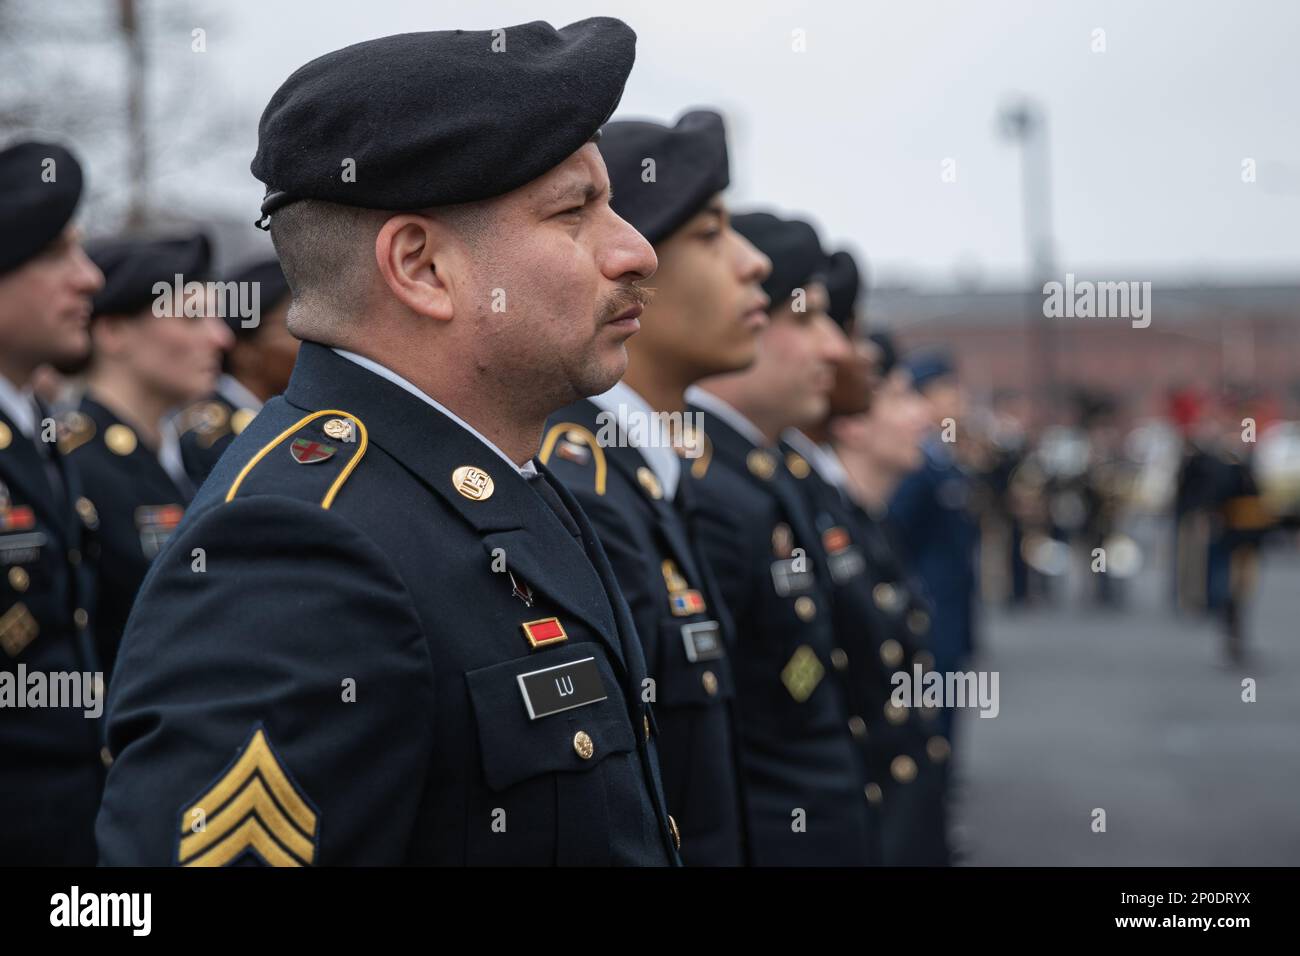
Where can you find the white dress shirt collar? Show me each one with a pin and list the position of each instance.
(821, 458)
(20, 406)
(713, 405)
(528, 470)
(623, 402)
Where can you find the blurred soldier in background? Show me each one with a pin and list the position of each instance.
(51, 773)
(807, 792)
(880, 623)
(150, 355)
(256, 368)
(1220, 519)
(931, 512)
(704, 319)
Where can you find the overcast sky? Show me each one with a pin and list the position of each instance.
(1147, 138)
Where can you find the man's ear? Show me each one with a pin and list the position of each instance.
(408, 251)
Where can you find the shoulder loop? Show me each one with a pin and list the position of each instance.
(279, 439)
(700, 466)
(575, 434)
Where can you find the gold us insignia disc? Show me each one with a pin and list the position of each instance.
(473, 483)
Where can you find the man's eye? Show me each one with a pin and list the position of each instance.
(711, 235)
(571, 211)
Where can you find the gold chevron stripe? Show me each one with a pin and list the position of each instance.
(257, 757)
(252, 799)
(250, 834)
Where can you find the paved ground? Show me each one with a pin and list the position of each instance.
(1134, 712)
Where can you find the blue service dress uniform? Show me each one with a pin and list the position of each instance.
(930, 512)
(51, 758)
(684, 629)
(804, 783)
(139, 506)
(881, 628)
(373, 641)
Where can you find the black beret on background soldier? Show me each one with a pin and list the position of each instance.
(51, 769)
(618, 453)
(406, 644)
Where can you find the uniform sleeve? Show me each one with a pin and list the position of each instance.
(271, 704)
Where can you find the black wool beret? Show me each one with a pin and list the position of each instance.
(690, 168)
(33, 210)
(929, 366)
(133, 266)
(434, 119)
(273, 288)
(791, 244)
(843, 283)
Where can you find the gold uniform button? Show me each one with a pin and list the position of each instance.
(645, 719)
(895, 714)
(885, 596)
(857, 726)
(805, 608)
(918, 622)
(839, 660)
(6, 436)
(903, 768)
(938, 748)
(19, 579)
(873, 793)
(677, 834)
(710, 681)
(120, 439)
(105, 757)
(891, 652)
(582, 745)
(80, 618)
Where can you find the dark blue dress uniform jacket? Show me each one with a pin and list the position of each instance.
(341, 682)
(640, 529)
(796, 749)
(139, 505)
(51, 770)
(881, 626)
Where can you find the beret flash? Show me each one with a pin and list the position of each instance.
(438, 118)
(690, 167)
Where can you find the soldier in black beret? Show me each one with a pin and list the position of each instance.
(383, 633)
(805, 781)
(51, 772)
(156, 347)
(618, 453)
(256, 367)
(880, 621)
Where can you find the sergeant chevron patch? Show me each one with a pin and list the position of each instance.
(254, 807)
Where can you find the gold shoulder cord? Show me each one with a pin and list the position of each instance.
(597, 453)
(307, 420)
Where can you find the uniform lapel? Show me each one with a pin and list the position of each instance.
(514, 518)
(22, 467)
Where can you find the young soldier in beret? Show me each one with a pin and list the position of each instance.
(880, 623)
(383, 633)
(149, 356)
(51, 772)
(617, 453)
(257, 367)
(805, 795)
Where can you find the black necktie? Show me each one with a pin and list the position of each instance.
(552, 499)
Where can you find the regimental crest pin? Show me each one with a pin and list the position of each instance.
(307, 451)
(340, 429)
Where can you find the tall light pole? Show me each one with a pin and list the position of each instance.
(1024, 122)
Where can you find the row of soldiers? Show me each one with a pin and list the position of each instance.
(527, 564)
